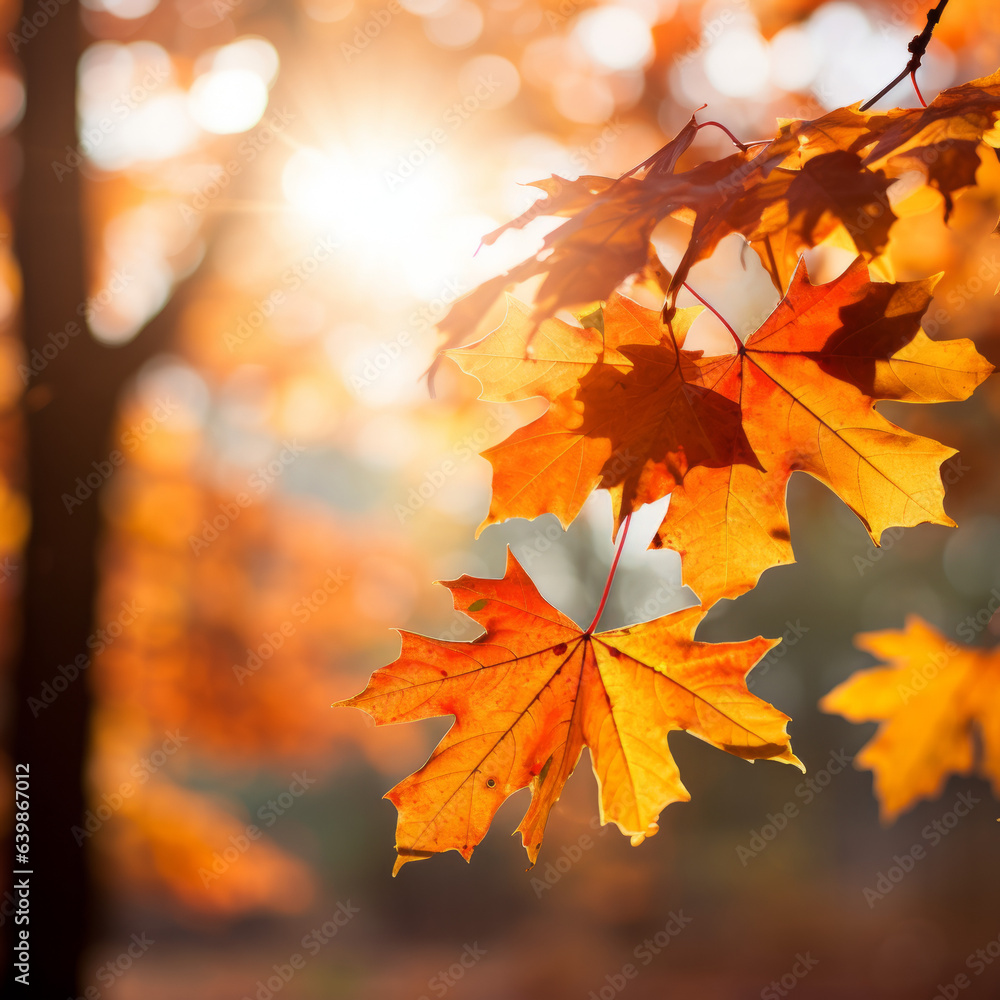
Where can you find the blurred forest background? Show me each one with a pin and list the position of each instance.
(228, 228)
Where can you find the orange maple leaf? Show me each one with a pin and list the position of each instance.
(931, 702)
(534, 689)
(639, 415)
(627, 412)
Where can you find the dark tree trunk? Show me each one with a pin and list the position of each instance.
(69, 406)
(70, 401)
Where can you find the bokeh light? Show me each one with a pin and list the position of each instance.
(225, 101)
(738, 63)
(615, 37)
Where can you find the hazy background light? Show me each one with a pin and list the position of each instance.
(424, 8)
(327, 11)
(583, 98)
(11, 101)
(795, 58)
(251, 53)
(500, 74)
(614, 37)
(225, 101)
(161, 129)
(129, 108)
(127, 10)
(456, 26)
(738, 63)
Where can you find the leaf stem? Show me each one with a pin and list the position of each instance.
(742, 145)
(916, 48)
(611, 576)
(722, 319)
(913, 80)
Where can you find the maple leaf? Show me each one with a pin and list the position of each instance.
(932, 702)
(618, 397)
(606, 235)
(534, 689)
(941, 141)
(806, 384)
(782, 212)
(637, 414)
(819, 180)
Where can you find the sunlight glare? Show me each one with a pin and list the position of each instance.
(371, 198)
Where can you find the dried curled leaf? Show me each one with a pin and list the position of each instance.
(822, 180)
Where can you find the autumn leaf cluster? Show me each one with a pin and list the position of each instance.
(632, 410)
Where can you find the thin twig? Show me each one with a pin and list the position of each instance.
(916, 48)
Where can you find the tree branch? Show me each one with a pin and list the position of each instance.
(917, 48)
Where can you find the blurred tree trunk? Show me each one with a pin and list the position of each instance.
(69, 406)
